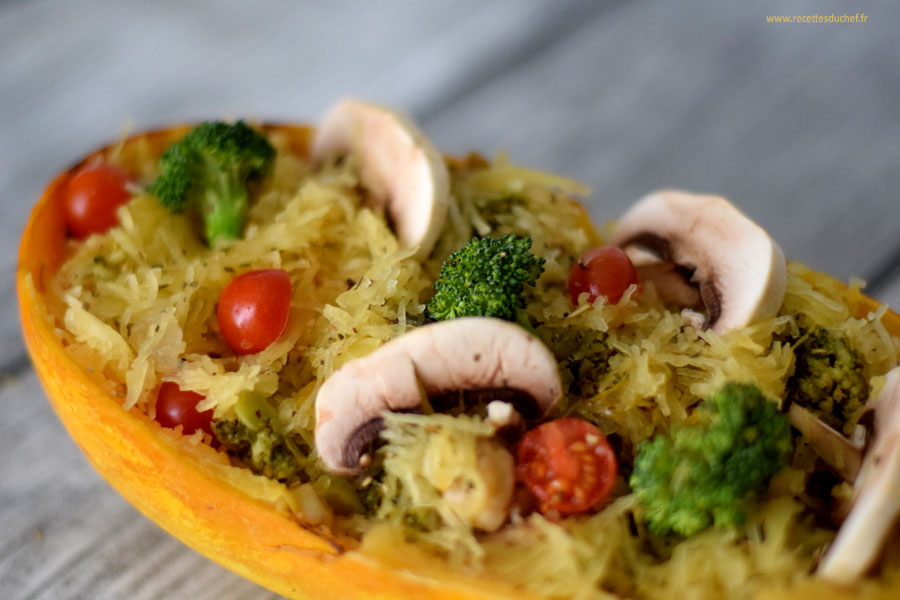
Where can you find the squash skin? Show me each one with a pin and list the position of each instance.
(187, 494)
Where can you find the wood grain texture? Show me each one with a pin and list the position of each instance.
(66, 534)
(889, 291)
(796, 124)
(799, 124)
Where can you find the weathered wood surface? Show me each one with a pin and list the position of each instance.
(799, 124)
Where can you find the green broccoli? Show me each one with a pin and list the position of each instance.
(208, 171)
(706, 473)
(486, 277)
(583, 355)
(828, 378)
(496, 211)
(371, 494)
(254, 436)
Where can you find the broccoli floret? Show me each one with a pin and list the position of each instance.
(496, 211)
(263, 451)
(254, 437)
(707, 473)
(208, 171)
(583, 356)
(486, 277)
(371, 495)
(828, 378)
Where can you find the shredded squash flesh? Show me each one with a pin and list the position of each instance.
(136, 306)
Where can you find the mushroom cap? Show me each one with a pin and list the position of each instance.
(471, 353)
(403, 172)
(739, 268)
(876, 505)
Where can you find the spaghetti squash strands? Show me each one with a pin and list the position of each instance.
(136, 306)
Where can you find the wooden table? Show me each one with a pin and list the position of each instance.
(799, 124)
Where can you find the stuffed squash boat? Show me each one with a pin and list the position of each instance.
(343, 365)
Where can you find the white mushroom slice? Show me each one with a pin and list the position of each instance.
(403, 172)
(672, 286)
(473, 353)
(487, 506)
(692, 318)
(877, 494)
(740, 271)
(502, 414)
(841, 454)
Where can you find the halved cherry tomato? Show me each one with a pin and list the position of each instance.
(175, 407)
(253, 309)
(568, 464)
(603, 271)
(93, 196)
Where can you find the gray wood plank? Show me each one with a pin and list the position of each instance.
(73, 75)
(68, 534)
(797, 124)
(889, 292)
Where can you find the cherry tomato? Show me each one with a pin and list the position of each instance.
(603, 271)
(175, 407)
(253, 309)
(568, 464)
(94, 194)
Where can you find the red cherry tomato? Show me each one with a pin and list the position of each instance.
(603, 271)
(568, 464)
(94, 194)
(253, 309)
(175, 407)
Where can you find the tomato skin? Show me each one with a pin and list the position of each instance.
(568, 464)
(92, 198)
(253, 309)
(602, 271)
(175, 407)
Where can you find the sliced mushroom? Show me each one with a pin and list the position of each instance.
(473, 353)
(740, 271)
(876, 503)
(487, 506)
(692, 318)
(503, 415)
(671, 284)
(402, 171)
(842, 455)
